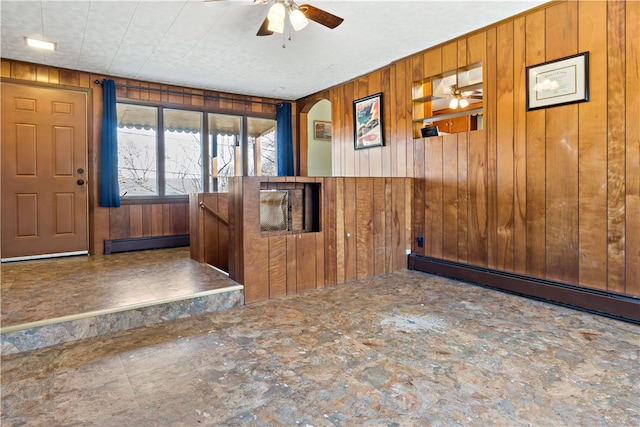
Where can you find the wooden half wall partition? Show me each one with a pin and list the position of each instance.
(364, 230)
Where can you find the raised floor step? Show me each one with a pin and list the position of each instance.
(48, 332)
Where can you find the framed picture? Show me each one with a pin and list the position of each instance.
(559, 82)
(367, 121)
(322, 130)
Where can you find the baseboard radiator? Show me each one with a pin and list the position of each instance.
(144, 243)
(599, 302)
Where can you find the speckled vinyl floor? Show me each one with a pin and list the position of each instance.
(406, 349)
(57, 287)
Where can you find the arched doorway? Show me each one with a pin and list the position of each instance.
(315, 139)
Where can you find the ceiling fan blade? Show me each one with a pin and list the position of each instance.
(320, 16)
(264, 31)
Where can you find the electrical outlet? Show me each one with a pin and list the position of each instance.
(420, 241)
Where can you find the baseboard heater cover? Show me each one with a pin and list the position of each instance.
(616, 306)
(144, 243)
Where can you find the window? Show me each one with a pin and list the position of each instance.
(262, 147)
(162, 152)
(183, 152)
(225, 135)
(137, 153)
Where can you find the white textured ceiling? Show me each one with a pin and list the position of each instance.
(186, 43)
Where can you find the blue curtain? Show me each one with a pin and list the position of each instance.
(284, 138)
(109, 188)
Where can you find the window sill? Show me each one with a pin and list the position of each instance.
(154, 200)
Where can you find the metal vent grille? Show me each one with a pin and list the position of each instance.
(274, 210)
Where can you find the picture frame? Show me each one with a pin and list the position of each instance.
(559, 82)
(367, 122)
(321, 130)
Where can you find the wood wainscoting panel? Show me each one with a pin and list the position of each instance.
(364, 227)
(632, 122)
(616, 117)
(592, 158)
(364, 232)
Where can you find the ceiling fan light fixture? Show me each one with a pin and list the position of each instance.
(464, 103)
(454, 103)
(276, 17)
(298, 20)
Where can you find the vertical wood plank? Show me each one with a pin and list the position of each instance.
(406, 133)
(319, 258)
(505, 148)
(398, 224)
(135, 221)
(491, 120)
(592, 160)
(210, 229)
(387, 152)
(196, 241)
(341, 252)
(476, 47)
(431, 64)
(616, 146)
(157, 213)
(632, 121)
(462, 53)
(402, 120)
(329, 225)
(463, 198)
(305, 262)
(336, 130)
(364, 227)
(477, 203)
(388, 224)
(418, 209)
(535, 43)
(449, 57)
(374, 84)
(378, 229)
(561, 137)
(277, 266)
(349, 150)
(520, 149)
(450, 197)
(350, 230)
(433, 197)
(362, 163)
(119, 223)
(406, 237)
(146, 220)
(292, 273)
(166, 220)
(254, 246)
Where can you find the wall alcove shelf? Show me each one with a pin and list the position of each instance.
(431, 98)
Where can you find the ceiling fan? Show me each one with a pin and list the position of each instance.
(460, 96)
(299, 16)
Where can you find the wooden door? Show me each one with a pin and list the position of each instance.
(44, 171)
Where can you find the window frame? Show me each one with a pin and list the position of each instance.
(204, 146)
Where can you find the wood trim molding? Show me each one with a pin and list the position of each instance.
(594, 301)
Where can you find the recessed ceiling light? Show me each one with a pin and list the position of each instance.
(40, 44)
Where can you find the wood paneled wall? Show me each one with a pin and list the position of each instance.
(552, 193)
(158, 219)
(209, 229)
(365, 230)
(129, 220)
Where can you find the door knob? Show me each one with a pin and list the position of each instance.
(80, 182)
